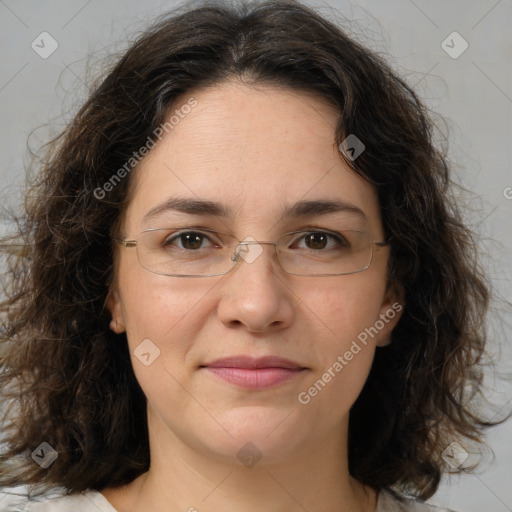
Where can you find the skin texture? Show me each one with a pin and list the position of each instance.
(255, 149)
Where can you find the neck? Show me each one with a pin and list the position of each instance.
(316, 477)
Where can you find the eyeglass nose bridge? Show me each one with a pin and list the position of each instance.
(236, 255)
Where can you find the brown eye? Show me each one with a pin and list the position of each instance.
(189, 240)
(321, 241)
(316, 240)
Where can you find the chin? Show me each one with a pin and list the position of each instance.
(255, 432)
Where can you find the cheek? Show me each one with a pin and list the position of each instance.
(154, 305)
(162, 317)
(347, 305)
(347, 308)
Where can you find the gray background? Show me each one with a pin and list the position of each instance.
(473, 92)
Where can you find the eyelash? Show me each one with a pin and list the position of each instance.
(340, 239)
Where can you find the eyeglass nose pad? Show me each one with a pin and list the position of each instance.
(244, 247)
(236, 255)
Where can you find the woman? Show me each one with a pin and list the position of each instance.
(243, 284)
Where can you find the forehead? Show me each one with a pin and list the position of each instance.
(256, 149)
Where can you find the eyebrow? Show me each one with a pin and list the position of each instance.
(300, 209)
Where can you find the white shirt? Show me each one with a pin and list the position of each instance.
(92, 501)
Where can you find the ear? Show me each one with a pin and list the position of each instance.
(390, 313)
(113, 304)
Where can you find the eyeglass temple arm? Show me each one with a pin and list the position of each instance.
(384, 243)
(126, 243)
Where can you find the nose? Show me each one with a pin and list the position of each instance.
(255, 294)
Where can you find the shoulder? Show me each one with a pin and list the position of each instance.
(388, 503)
(12, 500)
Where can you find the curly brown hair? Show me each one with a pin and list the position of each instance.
(67, 379)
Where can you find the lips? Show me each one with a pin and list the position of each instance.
(254, 373)
(252, 363)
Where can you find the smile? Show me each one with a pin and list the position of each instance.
(256, 374)
(260, 378)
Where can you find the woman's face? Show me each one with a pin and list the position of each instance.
(254, 152)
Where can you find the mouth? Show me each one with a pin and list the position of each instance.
(254, 373)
